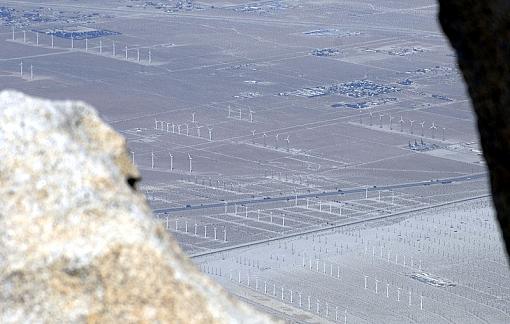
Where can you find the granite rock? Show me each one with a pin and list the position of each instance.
(78, 242)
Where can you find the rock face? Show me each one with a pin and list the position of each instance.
(479, 31)
(77, 242)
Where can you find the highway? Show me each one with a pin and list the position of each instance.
(331, 227)
(258, 200)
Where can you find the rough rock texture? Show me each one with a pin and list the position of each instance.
(77, 242)
(479, 31)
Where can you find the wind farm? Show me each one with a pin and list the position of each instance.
(319, 160)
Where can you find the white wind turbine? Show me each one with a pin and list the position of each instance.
(433, 128)
(411, 122)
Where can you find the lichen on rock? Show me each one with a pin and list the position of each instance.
(78, 241)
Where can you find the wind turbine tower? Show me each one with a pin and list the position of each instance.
(190, 166)
(433, 128)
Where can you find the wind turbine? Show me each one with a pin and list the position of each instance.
(152, 160)
(187, 129)
(443, 134)
(411, 122)
(179, 129)
(240, 113)
(72, 41)
(21, 69)
(52, 41)
(189, 158)
(288, 143)
(171, 161)
(264, 136)
(198, 130)
(433, 128)
(100, 46)
(150, 57)
(253, 136)
(24, 36)
(126, 52)
(138, 55)
(276, 140)
(86, 44)
(391, 120)
(380, 120)
(210, 133)
(422, 127)
(251, 116)
(173, 128)
(193, 117)
(401, 121)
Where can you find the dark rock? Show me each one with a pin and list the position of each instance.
(479, 31)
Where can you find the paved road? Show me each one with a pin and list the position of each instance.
(330, 227)
(258, 200)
